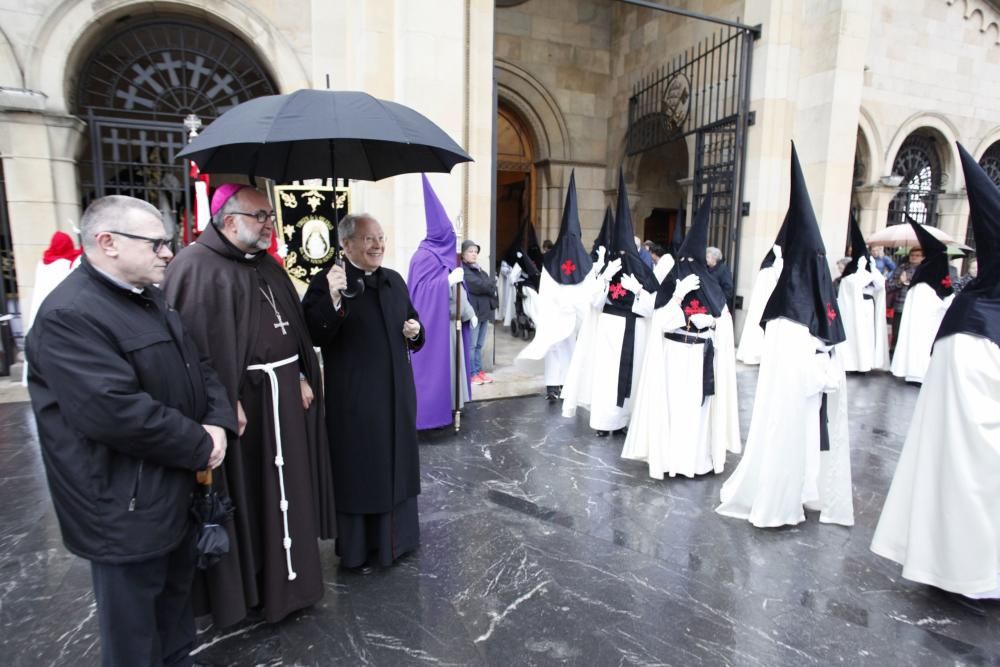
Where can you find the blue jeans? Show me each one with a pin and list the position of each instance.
(478, 336)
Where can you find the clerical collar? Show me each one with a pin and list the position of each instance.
(367, 273)
(118, 282)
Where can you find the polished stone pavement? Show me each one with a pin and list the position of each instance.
(541, 546)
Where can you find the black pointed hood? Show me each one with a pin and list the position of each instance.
(524, 251)
(779, 241)
(858, 247)
(568, 262)
(623, 246)
(804, 292)
(605, 233)
(934, 269)
(976, 310)
(677, 239)
(691, 259)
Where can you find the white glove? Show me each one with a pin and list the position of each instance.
(609, 271)
(685, 286)
(776, 249)
(631, 283)
(456, 276)
(862, 264)
(474, 322)
(515, 274)
(702, 320)
(601, 254)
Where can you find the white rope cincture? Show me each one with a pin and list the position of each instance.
(279, 459)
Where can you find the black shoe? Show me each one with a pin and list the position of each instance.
(551, 393)
(622, 431)
(361, 570)
(602, 434)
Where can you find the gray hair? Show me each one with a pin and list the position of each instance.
(111, 214)
(346, 227)
(714, 252)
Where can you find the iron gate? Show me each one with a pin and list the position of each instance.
(136, 158)
(704, 91)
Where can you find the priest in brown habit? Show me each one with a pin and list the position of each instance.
(371, 403)
(242, 309)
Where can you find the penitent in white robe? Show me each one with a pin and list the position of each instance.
(752, 337)
(922, 315)
(558, 312)
(672, 428)
(941, 519)
(783, 470)
(592, 377)
(861, 302)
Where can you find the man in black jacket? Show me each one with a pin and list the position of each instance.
(127, 411)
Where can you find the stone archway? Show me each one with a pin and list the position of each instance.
(516, 191)
(135, 90)
(659, 203)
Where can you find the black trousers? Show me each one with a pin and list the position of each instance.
(144, 609)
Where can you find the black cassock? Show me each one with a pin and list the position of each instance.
(224, 300)
(371, 411)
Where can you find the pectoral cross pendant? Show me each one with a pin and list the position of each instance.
(282, 325)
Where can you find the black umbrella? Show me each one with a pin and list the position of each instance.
(323, 134)
(211, 511)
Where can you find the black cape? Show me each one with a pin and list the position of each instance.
(804, 292)
(567, 262)
(976, 310)
(214, 286)
(371, 400)
(604, 234)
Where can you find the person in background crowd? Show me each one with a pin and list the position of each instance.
(883, 263)
(546, 246)
(483, 295)
(968, 277)
(718, 269)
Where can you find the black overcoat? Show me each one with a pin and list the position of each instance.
(371, 403)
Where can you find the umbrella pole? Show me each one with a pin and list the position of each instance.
(204, 477)
(458, 357)
(338, 252)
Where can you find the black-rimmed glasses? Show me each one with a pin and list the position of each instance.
(158, 244)
(262, 216)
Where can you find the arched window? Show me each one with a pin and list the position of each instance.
(990, 162)
(920, 167)
(135, 91)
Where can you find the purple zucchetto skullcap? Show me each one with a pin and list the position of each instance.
(224, 193)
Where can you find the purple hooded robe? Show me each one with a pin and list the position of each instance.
(433, 367)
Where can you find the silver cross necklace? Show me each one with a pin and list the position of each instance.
(269, 296)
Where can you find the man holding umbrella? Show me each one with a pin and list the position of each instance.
(127, 411)
(371, 402)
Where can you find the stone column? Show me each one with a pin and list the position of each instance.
(39, 150)
(874, 201)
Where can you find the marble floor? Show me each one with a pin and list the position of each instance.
(541, 546)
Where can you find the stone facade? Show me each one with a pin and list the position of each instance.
(847, 80)
(433, 56)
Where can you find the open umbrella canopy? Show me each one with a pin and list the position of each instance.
(323, 134)
(896, 236)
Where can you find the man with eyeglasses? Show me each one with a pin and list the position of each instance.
(127, 411)
(243, 310)
(371, 399)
